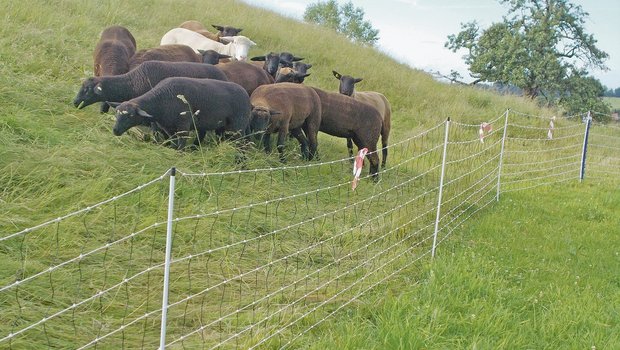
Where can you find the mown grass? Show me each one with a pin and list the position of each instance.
(55, 159)
(537, 271)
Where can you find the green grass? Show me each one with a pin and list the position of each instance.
(55, 159)
(614, 102)
(527, 274)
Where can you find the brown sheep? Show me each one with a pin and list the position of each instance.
(170, 53)
(342, 116)
(375, 99)
(115, 48)
(287, 107)
(246, 74)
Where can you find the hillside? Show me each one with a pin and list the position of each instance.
(47, 50)
(245, 223)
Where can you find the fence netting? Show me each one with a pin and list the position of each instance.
(262, 257)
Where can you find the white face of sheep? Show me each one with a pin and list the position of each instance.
(241, 46)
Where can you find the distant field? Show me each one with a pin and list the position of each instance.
(613, 101)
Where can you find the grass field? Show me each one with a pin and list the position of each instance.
(614, 102)
(496, 284)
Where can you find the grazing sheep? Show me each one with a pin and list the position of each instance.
(115, 48)
(290, 75)
(169, 53)
(136, 82)
(342, 116)
(179, 105)
(287, 107)
(237, 46)
(375, 99)
(246, 74)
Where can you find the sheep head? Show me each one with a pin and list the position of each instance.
(227, 30)
(90, 92)
(347, 83)
(128, 115)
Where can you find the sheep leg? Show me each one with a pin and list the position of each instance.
(373, 158)
(281, 140)
(266, 140)
(311, 133)
(200, 136)
(303, 142)
(350, 147)
(384, 151)
(104, 108)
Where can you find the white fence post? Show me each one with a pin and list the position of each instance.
(501, 155)
(582, 171)
(164, 303)
(443, 172)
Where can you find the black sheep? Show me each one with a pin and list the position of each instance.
(179, 105)
(138, 81)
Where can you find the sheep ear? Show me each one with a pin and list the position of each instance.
(202, 52)
(337, 75)
(295, 58)
(142, 113)
(113, 104)
(308, 66)
(357, 80)
(258, 58)
(303, 75)
(220, 28)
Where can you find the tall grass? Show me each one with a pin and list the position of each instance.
(55, 159)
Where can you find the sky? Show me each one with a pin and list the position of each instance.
(415, 31)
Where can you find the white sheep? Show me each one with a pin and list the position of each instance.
(237, 47)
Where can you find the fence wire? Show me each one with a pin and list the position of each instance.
(262, 257)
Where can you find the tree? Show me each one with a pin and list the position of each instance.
(347, 20)
(537, 47)
(582, 92)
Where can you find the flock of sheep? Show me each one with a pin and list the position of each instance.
(198, 81)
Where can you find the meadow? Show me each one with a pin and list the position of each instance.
(534, 270)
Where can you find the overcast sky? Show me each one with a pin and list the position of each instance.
(415, 31)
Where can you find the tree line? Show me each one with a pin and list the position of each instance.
(540, 48)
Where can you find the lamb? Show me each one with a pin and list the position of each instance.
(283, 107)
(222, 30)
(342, 116)
(170, 53)
(136, 82)
(375, 99)
(115, 48)
(246, 74)
(179, 105)
(237, 47)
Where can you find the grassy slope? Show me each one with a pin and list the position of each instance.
(47, 48)
(54, 158)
